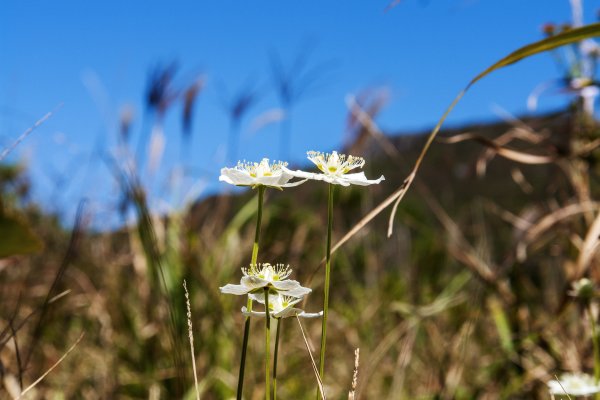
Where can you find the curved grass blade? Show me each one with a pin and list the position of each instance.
(39, 122)
(541, 46)
(312, 361)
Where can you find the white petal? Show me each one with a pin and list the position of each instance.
(285, 284)
(273, 180)
(301, 174)
(289, 286)
(292, 184)
(288, 312)
(247, 313)
(234, 176)
(239, 290)
(300, 291)
(336, 180)
(318, 177)
(311, 315)
(260, 297)
(296, 312)
(254, 282)
(360, 179)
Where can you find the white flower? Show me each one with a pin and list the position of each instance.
(335, 168)
(576, 384)
(255, 174)
(280, 306)
(584, 289)
(261, 276)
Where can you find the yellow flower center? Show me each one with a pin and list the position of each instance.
(261, 169)
(334, 163)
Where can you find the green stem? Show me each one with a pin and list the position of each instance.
(279, 323)
(267, 346)
(261, 193)
(326, 290)
(595, 345)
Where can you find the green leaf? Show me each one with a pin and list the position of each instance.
(561, 39)
(502, 325)
(17, 237)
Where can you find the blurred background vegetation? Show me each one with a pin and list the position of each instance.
(468, 298)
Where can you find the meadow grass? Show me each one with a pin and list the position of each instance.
(466, 297)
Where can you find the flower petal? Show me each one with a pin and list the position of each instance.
(360, 179)
(247, 313)
(292, 184)
(292, 288)
(357, 178)
(260, 297)
(311, 315)
(239, 290)
(299, 292)
(302, 174)
(254, 282)
(236, 177)
(273, 180)
(288, 312)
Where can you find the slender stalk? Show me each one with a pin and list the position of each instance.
(261, 195)
(279, 324)
(595, 344)
(326, 289)
(267, 346)
(243, 360)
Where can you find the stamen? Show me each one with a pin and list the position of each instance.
(256, 170)
(334, 163)
(281, 271)
(255, 269)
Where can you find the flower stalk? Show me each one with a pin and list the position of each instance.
(275, 356)
(267, 346)
(326, 289)
(261, 193)
(595, 344)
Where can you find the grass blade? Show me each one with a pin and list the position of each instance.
(541, 46)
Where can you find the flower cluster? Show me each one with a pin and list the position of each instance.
(269, 284)
(334, 169)
(583, 289)
(283, 292)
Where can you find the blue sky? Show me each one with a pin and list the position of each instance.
(93, 57)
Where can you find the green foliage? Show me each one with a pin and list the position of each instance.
(17, 236)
